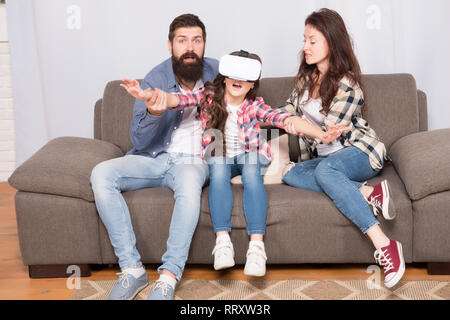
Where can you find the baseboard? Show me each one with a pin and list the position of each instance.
(438, 268)
(58, 271)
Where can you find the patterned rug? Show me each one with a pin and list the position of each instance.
(197, 289)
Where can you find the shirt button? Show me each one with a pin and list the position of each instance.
(154, 153)
(175, 128)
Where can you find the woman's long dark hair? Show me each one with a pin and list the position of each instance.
(342, 59)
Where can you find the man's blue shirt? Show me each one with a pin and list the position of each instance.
(149, 134)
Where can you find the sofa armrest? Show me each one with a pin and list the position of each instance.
(63, 167)
(422, 161)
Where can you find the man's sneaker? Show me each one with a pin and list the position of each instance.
(223, 255)
(381, 199)
(127, 287)
(161, 291)
(256, 262)
(391, 259)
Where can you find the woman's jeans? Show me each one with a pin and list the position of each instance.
(340, 176)
(182, 173)
(252, 166)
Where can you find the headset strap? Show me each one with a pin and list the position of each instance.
(243, 53)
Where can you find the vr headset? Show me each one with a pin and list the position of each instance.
(240, 67)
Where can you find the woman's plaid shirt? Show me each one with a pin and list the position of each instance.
(248, 116)
(345, 108)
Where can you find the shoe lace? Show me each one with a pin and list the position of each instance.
(375, 203)
(384, 260)
(256, 251)
(164, 286)
(220, 248)
(123, 278)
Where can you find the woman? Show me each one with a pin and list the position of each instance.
(327, 92)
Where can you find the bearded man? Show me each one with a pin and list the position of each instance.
(166, 153)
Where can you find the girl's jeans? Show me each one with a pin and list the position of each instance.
(340, 176)
(251, 165)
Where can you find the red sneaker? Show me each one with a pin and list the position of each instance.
(391, 259)
(380, 199)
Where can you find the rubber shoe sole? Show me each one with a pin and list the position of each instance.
(249, 271)
(388, 209)
(224, 265)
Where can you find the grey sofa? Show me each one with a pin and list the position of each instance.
(58, 224)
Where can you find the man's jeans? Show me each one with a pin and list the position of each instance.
(184, 174)
(251, 166)
(340, 176)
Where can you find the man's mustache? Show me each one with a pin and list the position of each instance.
(189, 55)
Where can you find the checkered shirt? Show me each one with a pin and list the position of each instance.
(248, 116)
(345, 108)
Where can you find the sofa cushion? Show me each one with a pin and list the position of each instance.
(422, 161)
(116, 115)
(63, 167)
(276, 91)
(321, 232)
(391, 105)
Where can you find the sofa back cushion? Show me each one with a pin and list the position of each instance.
(116, 115)
(391, 106)
(391, 110)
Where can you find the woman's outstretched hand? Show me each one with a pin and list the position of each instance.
(301, 126)
(334, 132)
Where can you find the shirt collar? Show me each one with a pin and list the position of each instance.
(198, 85)
(171, 81)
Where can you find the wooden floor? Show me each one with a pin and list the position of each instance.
(15, 283)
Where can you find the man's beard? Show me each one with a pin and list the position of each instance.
(189, 72)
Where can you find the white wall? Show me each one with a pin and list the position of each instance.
(7, 152)
(65, 51)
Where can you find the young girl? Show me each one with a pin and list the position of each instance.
(328, 91)
(232, 145)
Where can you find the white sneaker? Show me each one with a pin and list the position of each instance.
(256, 261)
(223, 255)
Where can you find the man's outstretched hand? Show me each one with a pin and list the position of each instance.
(133, 88)
(155, 100)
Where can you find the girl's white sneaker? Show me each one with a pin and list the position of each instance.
(256, 261)
(223, 255)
